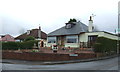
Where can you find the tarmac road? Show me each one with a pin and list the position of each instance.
(107, 64)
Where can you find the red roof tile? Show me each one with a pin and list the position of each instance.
(34, 33)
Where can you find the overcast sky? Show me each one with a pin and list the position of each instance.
(17, 16)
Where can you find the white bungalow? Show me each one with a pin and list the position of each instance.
(73, 34)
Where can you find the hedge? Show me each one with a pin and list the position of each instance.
(105, 45)
(29, 38)
(19, 45)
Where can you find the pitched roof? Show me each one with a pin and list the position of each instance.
(78, 28)
(34, 33)
(5, 35)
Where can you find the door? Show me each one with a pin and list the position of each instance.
(42, 44)
(60, 41)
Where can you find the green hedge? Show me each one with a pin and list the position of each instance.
(105, 45)
(29, 38)
(19, 45)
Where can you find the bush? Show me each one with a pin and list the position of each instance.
(28, 44)
(105, 45)
(29, 38)
(10, 45)
(19, 45)
(35, 51)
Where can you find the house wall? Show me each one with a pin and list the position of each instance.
(65, 44)
(84, 38)
(102, 34)
(110, 36)
(71, 45)
(95, 33)
(50, 44)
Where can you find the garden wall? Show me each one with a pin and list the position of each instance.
(44, 56)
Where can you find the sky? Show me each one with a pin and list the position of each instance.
(18, 16)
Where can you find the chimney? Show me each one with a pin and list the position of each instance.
(90, 26)
(28, 32)
(39, 32)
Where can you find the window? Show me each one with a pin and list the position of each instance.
(68, 26)
(92, 38)
(71, 39)
(51, 39)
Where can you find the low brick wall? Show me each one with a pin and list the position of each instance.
(44, 56)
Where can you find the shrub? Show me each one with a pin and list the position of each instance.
(9, 45)
(35, 51)
(19, 45)
(29, 44)
(29, 38)
(105, 45)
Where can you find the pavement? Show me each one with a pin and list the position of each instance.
(11, 61)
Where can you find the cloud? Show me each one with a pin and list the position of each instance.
(11, 26)
(21, 15)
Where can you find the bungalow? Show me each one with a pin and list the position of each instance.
(6, 38)
(37, 34)
(75, 34)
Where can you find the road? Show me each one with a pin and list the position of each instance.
(108, 64)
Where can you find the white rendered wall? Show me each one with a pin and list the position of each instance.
(110, 36)
(83, 37)
(71, 45)
(102, 34)
(90, 27)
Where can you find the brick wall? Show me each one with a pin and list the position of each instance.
(44, 56)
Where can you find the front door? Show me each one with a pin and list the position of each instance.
(60, 41)
(41, 44)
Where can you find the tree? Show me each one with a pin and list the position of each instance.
(29, 38)
(72, 20)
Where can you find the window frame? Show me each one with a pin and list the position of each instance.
(72, 37)
(51, 40)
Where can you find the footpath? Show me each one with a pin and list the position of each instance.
(11, 61)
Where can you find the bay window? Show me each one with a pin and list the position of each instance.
(51, 39)
(71, 39)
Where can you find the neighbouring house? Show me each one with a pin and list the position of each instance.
(36, 33)
(7, 38)
(77, 34)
